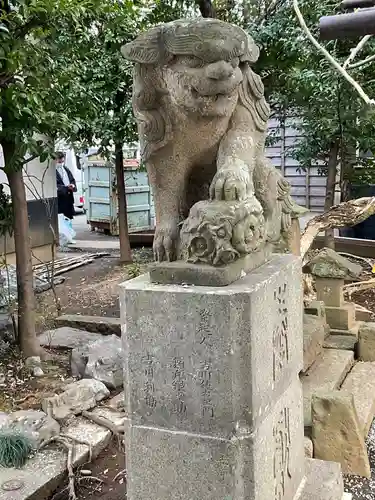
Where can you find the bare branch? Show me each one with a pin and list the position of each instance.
(331, 59)
(356, 50)
(361, 63)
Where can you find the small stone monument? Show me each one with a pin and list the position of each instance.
(330, 271)
(213, 340)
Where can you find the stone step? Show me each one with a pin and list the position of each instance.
(361, 383)
(344, 342)
(314, 331)
(352, 332)
(326, 374)
(95, 324)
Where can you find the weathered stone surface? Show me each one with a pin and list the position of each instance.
(165, 464)
(33, 423)
(352, 332)
(78, 396)
(181, 273)
(337, 434)
(206, 117)
(117, 402)
(211, 383)
(314, 331)
(330, 291)
(45, 471)
(361, 383)
(67, 337)
(309, 447)
(366, 342)
(105, 361)
(344, 342)
(247, 334)
(323, 481)
(329, 264)
(341, 318)
(94, 324)
(326, 374)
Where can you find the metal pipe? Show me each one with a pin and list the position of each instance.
(345, 26)
(357, 4)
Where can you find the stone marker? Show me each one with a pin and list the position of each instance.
(336, 432)
(212, 382)
(366, 342)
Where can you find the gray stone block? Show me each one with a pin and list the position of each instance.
(344, 342)
(181, 272)
(326, 374)
(200, 358)
(314, 331)
(265, 464)
(323, 481)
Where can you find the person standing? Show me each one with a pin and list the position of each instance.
(66, 186)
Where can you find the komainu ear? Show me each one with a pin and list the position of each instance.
(147, 48)
(251, 54)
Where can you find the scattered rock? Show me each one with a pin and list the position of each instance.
(366, 342)
(329, 264)
(336, 432)
(326, 374)
(78, 360)
(67, 338)
(323, 480)
(78, 396)
(117, 402)
(35, 424)
(105, 361)
(35, 366)
(360, 382)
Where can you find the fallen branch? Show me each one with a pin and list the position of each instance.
(348, 213)
(358, 287)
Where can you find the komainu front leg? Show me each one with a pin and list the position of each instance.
(166, 240)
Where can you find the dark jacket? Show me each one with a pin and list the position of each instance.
(65, 198)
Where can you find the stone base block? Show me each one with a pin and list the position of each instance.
(267, 463)
(186, 273)
(323, 481)
(344, 342)
(317, 308)
(341, 318)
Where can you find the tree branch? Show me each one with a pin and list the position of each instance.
(361, 63)
(356, 50)
(330, 59)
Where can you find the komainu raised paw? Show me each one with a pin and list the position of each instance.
(231, 185)
(165, 242)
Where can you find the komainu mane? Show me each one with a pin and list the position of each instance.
(202, 120)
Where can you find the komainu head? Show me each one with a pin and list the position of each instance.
(198, 67)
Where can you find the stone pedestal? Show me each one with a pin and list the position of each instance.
(212, 394)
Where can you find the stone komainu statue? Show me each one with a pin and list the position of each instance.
(202, 120)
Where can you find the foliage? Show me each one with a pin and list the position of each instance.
(301, 83)
(15, 448)
(6, 213)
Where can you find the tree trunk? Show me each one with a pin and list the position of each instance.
(206, 8)
(125, 250)
(329, 240)
(26, 300)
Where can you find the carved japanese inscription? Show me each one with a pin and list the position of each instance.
(178, 384)
(280, 333)
(281, 461)
(149, 386)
